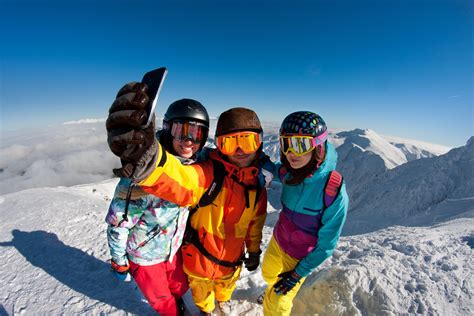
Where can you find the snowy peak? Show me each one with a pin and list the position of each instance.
(470, 141)
(271, 146)
(364, 155)
(421, 192)
(414, 149)
(369, 141)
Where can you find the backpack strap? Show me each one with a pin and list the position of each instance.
(215, 187)
(207, 198)
(191, 237)
(282, 173)
(191, 234)
(247, 188)
(332, 188)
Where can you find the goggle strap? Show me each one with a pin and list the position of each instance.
(318, 140)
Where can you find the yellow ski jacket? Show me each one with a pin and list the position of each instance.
(231, 223)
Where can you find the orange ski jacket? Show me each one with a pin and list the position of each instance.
(232, 223)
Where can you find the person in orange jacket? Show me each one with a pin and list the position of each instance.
(225, 229)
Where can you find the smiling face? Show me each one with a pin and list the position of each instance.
(297, 162)
(185, 148)
(241, 159)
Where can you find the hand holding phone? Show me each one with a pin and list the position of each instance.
(130, 132)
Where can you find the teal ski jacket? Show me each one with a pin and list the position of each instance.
(304, 230)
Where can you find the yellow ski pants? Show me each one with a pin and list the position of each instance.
(205, 290)
(276, 261)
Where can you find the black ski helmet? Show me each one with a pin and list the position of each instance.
(185, 110)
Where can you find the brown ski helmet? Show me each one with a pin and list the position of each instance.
(237, 120)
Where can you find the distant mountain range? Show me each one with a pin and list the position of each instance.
(392, 181)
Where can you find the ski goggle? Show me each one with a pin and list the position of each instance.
(193, 131)
(300, 145)
(249, 142)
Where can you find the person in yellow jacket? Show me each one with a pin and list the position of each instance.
(225, 229)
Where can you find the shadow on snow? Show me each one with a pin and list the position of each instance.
(76, 269)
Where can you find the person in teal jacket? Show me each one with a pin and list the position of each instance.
(145, 232)
(308, 227)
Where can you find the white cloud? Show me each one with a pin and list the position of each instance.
(78, 153)
(85, 121)
(56, 156)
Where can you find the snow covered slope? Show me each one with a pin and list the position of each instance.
(54, 254)
(414, 149)
(421, 192)
(363, 155)
(359, 141)
(396, 271)
(54, 246)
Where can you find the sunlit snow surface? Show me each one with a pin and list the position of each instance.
(54, 247)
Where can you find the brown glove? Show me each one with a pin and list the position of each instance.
(127, 135)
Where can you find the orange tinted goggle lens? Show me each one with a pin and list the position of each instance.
(249, 142)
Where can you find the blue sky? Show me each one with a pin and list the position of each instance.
(402, 68)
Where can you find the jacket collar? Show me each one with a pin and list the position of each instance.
(328, 165)
(246, 175)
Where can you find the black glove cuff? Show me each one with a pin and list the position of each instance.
(146, 164)
(255, 254)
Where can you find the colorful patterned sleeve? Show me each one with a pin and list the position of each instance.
(118, 230)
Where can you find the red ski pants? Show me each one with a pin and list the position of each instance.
(162, 284)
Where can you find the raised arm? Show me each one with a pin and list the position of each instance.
(177, 183)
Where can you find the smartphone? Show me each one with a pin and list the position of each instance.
(154, 80)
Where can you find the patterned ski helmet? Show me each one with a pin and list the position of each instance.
(304, 123)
